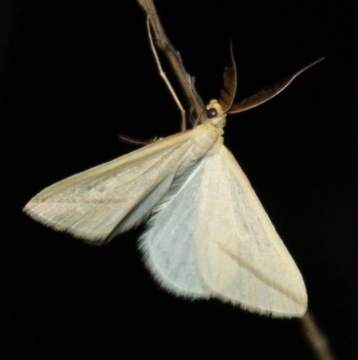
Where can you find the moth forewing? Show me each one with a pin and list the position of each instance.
(240, 256)
(91, 204)
(108, 199)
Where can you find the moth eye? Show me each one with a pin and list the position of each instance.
(211, 113)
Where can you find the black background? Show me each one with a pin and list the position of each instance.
(74, 75)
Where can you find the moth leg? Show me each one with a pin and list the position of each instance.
(137, 142)
(164, 77)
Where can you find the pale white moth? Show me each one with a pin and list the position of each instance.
(208, 234)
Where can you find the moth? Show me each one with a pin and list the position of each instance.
(208, 234)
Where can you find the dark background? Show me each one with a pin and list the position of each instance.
(74, 75)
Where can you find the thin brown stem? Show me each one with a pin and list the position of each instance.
(165, 79)
(316, 338)
(173, 56)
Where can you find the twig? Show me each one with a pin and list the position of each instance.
(164, 77)
(316, 338)
(186, 81)
(314, 335)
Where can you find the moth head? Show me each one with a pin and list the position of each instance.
(215, 114)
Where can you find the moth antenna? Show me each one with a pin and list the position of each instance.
(268, 92)
(228, 90)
